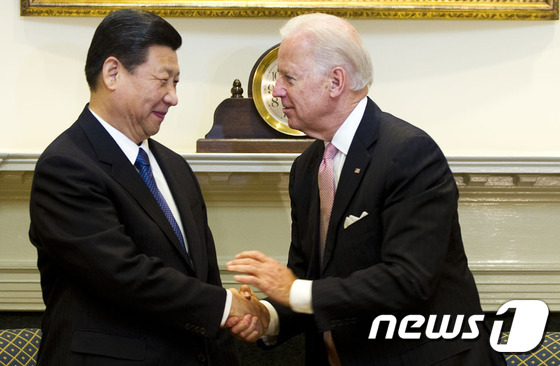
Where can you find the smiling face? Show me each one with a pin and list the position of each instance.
(304, 89)
(146, 94)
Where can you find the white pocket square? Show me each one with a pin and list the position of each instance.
(351, 219)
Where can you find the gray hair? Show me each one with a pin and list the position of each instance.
(336, 44)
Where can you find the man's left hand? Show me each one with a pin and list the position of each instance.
(265, 273)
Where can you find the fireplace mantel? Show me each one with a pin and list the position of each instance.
(281, 163)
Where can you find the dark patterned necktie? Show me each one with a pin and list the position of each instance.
(143, 165)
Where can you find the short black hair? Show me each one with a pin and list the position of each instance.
(127, 34)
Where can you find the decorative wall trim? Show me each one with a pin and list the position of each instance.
(254, 177)
(20, 287)
(255, 186)
(281, 163)
(491, 189)
(497, 283)
(500, 282)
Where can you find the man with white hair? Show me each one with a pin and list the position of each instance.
(375, 228)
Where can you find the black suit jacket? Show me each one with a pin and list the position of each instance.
(116, 282)
(404, 257)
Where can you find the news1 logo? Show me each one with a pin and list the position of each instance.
(526, 331)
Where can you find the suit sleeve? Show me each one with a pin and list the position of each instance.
(416, 215)
(79, 231)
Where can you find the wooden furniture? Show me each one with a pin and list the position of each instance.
(238, 128)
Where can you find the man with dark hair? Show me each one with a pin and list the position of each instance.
(127, 35)
(127, 260)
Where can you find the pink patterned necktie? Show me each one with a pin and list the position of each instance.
(326, 191)
(326, 195)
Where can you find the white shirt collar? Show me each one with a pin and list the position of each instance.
(343, 137)
(129, 147)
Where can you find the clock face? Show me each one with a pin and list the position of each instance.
(268, 106)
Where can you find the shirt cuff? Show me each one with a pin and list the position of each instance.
(273, 323)
(227, 307)
(300, 296)
(271, 336)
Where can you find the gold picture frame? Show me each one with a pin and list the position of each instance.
(393, 9)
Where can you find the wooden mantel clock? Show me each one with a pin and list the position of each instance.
(255, 124)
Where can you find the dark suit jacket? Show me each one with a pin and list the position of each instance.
(116, 283)
(405, 257)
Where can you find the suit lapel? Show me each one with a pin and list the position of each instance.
(176, 184)
(127, 175)
(110, 154)
(353, 171)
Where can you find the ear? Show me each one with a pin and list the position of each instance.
(110, 72)
(337, 80)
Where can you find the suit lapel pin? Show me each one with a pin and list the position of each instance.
(357, 171)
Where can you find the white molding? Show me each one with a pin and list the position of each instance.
(281, 163)
(509, 165)
(20, 287)
(497, 283)
(18, 162)
(240, 178)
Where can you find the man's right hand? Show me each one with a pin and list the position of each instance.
(248, 318)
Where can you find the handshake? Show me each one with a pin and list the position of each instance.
(249, 318)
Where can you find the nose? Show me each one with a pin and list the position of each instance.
(279, 91)
(170, 97)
